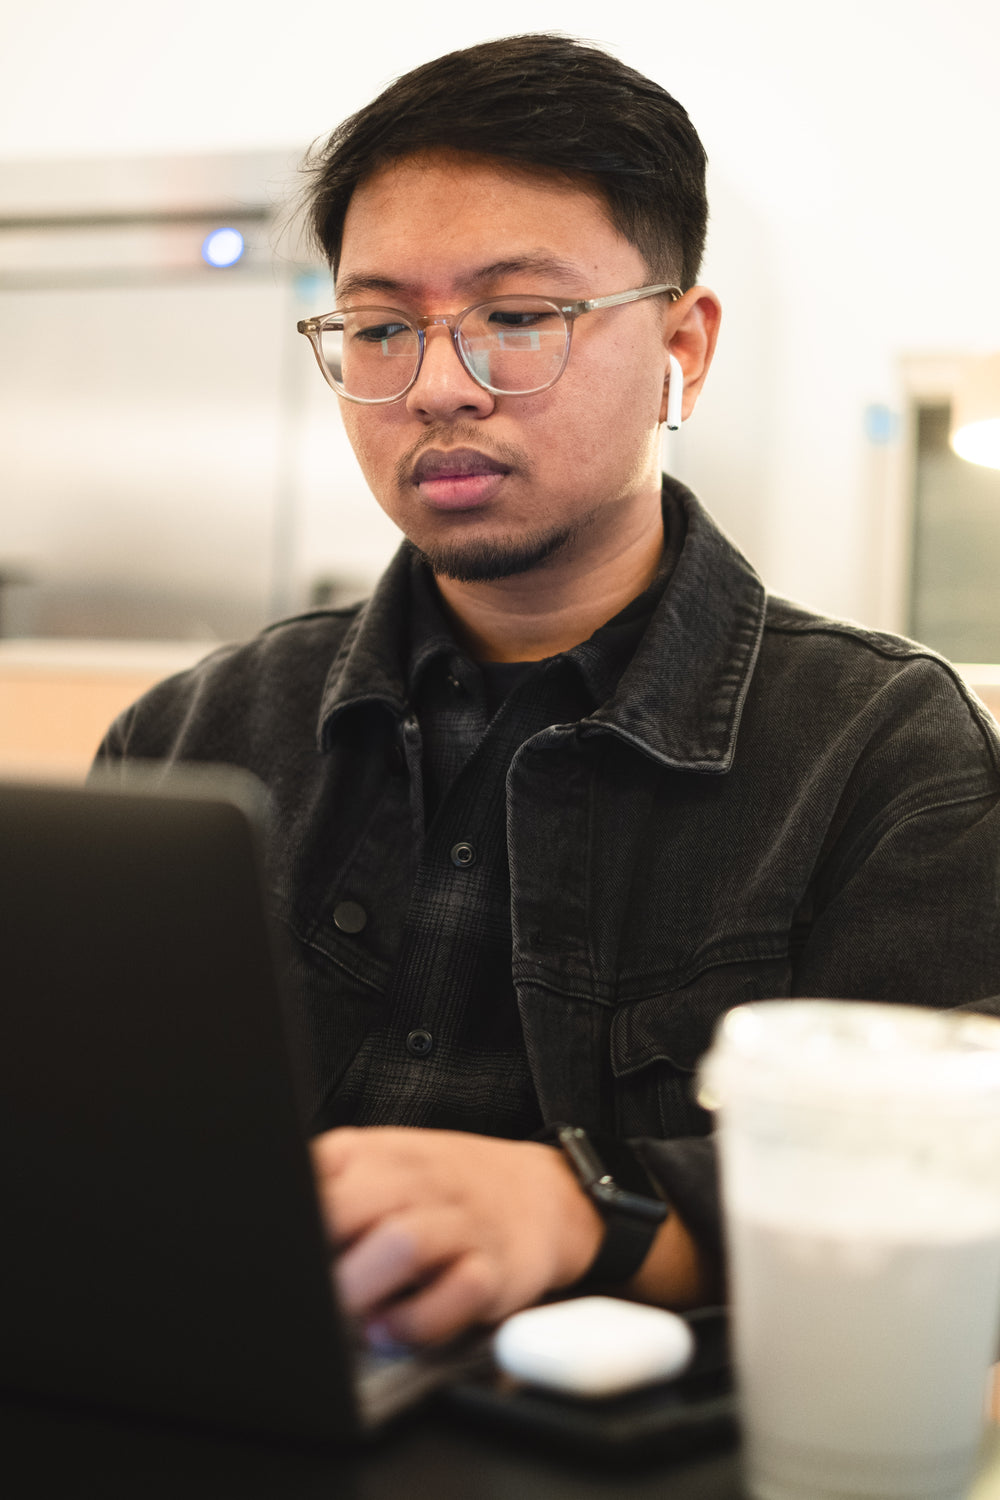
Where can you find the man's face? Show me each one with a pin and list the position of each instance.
(490, 486)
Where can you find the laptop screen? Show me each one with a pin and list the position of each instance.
(161, 1244)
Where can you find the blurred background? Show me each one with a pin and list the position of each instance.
(172, 467)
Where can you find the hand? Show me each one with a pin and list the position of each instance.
(439, 1231)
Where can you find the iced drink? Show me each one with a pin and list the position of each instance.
(861, 1178)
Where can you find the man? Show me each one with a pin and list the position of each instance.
(570, 785)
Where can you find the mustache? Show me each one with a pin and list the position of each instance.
(461, 435)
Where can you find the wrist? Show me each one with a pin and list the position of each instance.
(673, 1273)
(578, 1227)
(614, 1178)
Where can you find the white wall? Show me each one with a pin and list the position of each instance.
(854, 177)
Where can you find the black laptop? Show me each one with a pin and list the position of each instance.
(160, 1246)
(160, 1243)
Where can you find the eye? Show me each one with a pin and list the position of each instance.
(379, 333)
(508, 317)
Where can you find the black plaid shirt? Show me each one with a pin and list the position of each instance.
(451, 993)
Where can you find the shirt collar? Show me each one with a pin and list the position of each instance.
(680, 696)
(431, 635)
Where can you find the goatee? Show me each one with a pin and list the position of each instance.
(489, 561)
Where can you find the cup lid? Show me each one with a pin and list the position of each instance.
(836, 1053)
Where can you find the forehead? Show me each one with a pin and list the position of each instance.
(437, 221)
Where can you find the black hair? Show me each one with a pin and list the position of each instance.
(538, 101)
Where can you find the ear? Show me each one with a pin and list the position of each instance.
(691, 332)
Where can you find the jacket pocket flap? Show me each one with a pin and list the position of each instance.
(676, 1026)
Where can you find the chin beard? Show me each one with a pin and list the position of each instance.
(489, 561)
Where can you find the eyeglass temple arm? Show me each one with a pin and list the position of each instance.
(310, 326)
(617, 298)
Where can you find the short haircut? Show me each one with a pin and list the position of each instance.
(540, 101)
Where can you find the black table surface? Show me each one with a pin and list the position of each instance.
(431, 1454)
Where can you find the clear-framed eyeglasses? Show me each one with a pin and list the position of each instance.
(512, 346)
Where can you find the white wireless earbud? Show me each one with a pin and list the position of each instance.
(675, 395)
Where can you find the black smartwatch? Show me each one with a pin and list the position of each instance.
(625, 1195)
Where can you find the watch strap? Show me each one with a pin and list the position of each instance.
(624, 1193)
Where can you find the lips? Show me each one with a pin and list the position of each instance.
(458, 478)
(457, 463)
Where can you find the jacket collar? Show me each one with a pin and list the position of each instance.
(680, 698)
(370, 667)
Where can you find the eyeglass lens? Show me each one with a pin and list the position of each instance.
(516, 345)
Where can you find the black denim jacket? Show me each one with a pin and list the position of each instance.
(771, 803)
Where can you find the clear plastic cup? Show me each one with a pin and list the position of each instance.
(860, 1153)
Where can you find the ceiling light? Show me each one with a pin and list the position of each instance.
(975, 413)
(223, 247)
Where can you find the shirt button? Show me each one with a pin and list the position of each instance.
(419, 1043)
(349, 916)
(463, 855)
(455, 674)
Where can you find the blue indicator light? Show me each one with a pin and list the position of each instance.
(223, 247)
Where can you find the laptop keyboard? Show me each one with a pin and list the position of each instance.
(387, 1380)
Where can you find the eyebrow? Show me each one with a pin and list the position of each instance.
(537, 264)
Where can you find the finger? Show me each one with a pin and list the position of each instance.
(333, 1150)
(366, 1194)
(363, 1176)
(467, 1294)
(401, 1251)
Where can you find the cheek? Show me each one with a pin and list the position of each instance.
(636, 389)
(366, 434)
(624, 370)
(614, 408)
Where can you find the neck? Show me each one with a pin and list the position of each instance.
(555, 606)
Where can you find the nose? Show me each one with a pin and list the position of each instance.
(444, 389)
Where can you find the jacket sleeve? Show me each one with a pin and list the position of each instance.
(912, 914)
(903, 907)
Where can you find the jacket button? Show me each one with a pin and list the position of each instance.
(419, 1043)
(463, 855)
(349, 916)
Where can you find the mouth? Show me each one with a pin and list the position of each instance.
(457, 478)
